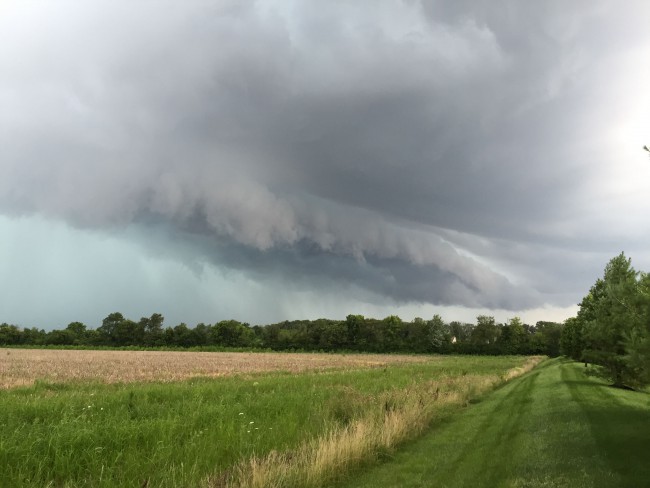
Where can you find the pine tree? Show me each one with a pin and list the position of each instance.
(612, 313)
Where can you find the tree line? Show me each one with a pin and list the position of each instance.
(355, 333)
(611, 332)
(612, 327)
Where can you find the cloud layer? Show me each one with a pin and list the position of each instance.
(430, 152)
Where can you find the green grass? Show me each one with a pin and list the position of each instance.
(169, 435)
(553, 427)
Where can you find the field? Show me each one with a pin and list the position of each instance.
(555, 427)
(21, 367)
(115, 418)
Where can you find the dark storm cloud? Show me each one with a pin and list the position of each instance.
(306, 264)
(431, 152)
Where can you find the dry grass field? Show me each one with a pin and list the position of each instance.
(22, 367)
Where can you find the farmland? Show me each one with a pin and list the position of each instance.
(116, 418)
(21, 367)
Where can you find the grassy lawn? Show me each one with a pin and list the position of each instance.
(91, 434)
(553, 427)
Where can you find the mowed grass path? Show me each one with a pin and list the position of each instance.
(554, 427)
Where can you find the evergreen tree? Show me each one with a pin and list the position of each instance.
(637, 340)
(615, 315)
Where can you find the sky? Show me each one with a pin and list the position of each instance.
(283, 159)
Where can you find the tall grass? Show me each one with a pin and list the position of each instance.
(303, 427)
(393, 417)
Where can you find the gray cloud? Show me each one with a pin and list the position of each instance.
(434, 152)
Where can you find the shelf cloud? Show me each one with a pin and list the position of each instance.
(438, 153)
